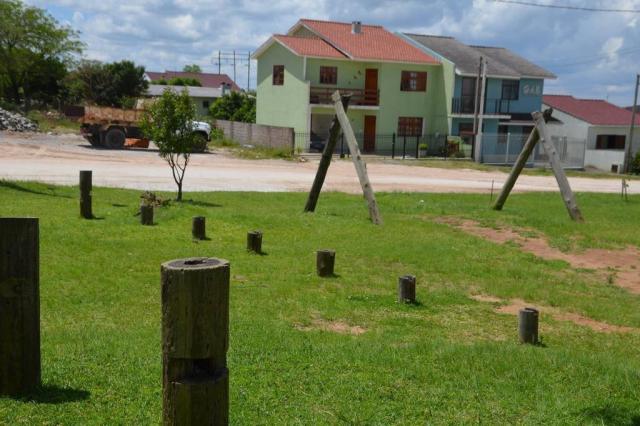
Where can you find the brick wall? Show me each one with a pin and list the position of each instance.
(257, 134)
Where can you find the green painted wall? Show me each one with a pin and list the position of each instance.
(285, 105)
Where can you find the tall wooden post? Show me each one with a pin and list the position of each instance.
(146, 214)
(528, 325)
(195, 339)
(325, 262)
(85, 194)
(19, 306)
(407, 289)
(325, 161)
(198, 228)
(254, 242)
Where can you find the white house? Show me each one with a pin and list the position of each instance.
(602, 126)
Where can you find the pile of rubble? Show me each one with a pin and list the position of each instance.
(16, 122)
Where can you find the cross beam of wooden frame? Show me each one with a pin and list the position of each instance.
(540, 133)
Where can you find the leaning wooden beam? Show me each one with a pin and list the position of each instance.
(565, 189)
(358, 162)
(527, 149)
(325, 161)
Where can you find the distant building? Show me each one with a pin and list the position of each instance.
(205, 79)
(202, 97)
(600, 125)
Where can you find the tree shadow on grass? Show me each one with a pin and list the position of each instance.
(53, 394)
(201, 203)
(17, 187)
(611, 414)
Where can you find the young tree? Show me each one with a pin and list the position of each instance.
(168, 122)
(192, 68)
(235, 107)
(30, 38)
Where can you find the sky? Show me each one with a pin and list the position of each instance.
(594, 54)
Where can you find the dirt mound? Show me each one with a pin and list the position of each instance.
(623, 264)
(515, 305)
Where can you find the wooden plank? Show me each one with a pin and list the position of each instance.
(325, 161)
(527, 149)
(358, 162)
(565, 189)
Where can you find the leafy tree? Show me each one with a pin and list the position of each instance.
(179, 81)
(235, 106)
(115, 84)
(31, 41)
(192, 68)
(169, 123)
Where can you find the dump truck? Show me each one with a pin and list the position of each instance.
(117, 128)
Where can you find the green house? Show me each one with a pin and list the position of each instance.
(398, 90)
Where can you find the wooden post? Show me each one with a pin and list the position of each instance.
(146, 214)
(358, 162)
(407, 289)
(198, 228)
(325, 161)
(195, 339)
(565, 189)
(254, 242)
(528, 325)
(527, 149)
(19, 306)
(85, 194)
(325, 262)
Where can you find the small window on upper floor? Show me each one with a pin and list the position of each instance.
(328, 75)
(278, 75)
(413, 81)
(510, 90)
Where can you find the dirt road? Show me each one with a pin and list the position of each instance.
(57, 159)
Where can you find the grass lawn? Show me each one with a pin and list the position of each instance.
(448, 359)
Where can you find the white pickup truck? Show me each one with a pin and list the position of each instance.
(117, 128)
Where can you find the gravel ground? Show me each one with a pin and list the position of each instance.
(58, 159)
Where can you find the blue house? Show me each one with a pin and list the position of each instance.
(514, 88)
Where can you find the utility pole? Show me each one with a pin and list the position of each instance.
(234, 65)
(629, 146)
(219, 63)
(248, 71)
(478, 142)
(476, 104)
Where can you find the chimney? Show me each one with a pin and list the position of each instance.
(356, 27)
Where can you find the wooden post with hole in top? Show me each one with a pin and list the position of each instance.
(195, 340)
(19, 306)
(254, 242)
(85, 194)
(325, 262)
(199, 228)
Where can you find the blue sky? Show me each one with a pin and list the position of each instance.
(595, 55)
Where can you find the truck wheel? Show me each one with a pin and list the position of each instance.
(94, 140)
(114, 138)
(200, 144)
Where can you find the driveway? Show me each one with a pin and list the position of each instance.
(58, 159)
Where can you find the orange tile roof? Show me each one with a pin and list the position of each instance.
(373, 43)
(305, 46)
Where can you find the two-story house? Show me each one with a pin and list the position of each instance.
(396, 87)
(513, 90)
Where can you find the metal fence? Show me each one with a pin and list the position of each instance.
(503, 149)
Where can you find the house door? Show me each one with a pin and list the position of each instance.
(371, 87)
(369, 133)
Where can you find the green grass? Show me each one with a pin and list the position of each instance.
(446, 360)
(53, 123)
(251, 153)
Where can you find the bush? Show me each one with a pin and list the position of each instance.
(423, 146)
(235, 107)
(635, 164)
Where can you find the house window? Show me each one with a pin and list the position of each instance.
(510, 89)
(410, 126)
(205, 104)
(413, 81)
(278, 75)
(468, 96)
(610, 141)
(328, 75)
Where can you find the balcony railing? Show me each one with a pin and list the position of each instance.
(466, 105)
(364, 97)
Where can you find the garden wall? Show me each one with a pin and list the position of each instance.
(257, 134)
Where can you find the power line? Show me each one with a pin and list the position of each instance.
(567, 7)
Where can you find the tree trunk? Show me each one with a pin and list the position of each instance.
(179, 197)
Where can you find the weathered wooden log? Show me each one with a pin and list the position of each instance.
(199, 228)
(528, 325)
(407, 289)
(195, 340)
(325, 262)
(146, 214)
(19, 306)
(254, 242)
(85, 194)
